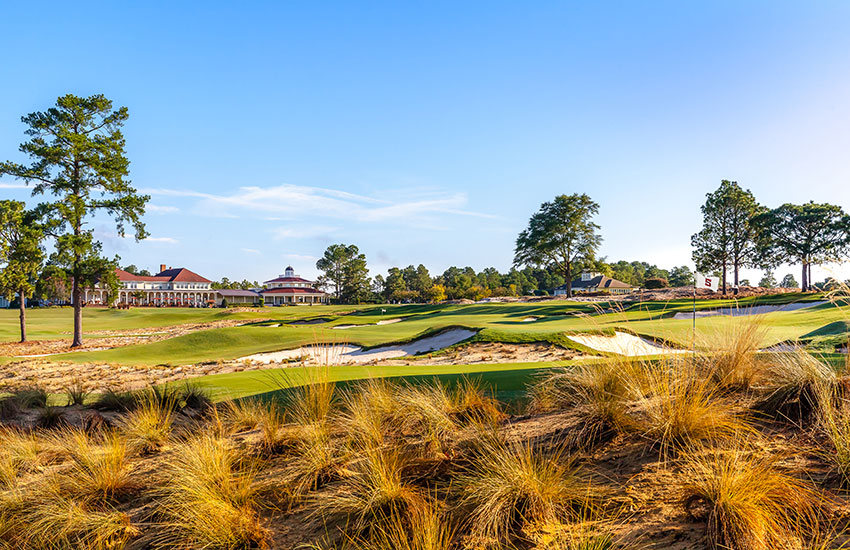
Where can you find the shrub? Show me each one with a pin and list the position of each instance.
(376, 488)
(116, 400)
(31, 398)
(656, 282)
(77, 393)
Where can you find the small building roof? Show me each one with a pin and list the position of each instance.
(288, 280)
(292, 290)
(600, 281)
(236, 292)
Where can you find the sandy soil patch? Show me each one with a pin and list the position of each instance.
(55, 376)
(344, 354)
(529, 319)
(108, 339)
(745, 311)
(622, 343)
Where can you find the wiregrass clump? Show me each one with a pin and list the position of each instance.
(732, 361)
(210, 497)
(679, 408)
(746, 501)
(796, 386)
(509, 486)
(98, 470)
(148, 427)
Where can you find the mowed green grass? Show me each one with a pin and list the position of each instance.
(497, 322)
(506, 379)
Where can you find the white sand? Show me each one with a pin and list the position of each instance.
(343, 327)
(743, 311)
(529, 319)
(622, 343)
(344, 354)
(275, 325)
(388, 321)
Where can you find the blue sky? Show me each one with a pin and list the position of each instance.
(430, 132)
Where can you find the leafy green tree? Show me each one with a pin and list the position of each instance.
(344, 268)
(788, 281)
(53, 284)
(804, 234)
(728, 236)
(681, 276)
(110, 282)
(768, 280)
(21, 255)
(78, 158)
(561, 234)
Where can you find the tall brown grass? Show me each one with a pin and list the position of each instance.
(680, 408)
(746, 501)
(148, 427)
(376, 487)
(510, 485)
(731, 359)
(794, 385)
(209, 498)
(97, 470)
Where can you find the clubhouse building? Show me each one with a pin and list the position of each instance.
(170, 287)
(595, 282)
(182, 287)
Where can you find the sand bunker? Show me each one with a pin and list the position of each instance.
(388, 321)
(379, 323)
(622, 343)
(344, 354)
(743, 311)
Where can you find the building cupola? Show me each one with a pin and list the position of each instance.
(289, 272)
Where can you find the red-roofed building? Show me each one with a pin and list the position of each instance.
(289, 288)
(170, 287)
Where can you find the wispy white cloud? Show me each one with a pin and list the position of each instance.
(300, 202)
(250, 250)
(300, 257)
(13, 185)
(166, 240)
(302, 232)
(161, 209)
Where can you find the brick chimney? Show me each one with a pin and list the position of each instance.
(161, 268)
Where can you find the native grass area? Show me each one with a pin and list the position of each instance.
(529, 432)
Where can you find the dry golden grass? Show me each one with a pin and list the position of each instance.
(239, 415)
(599, 393)
(21, 451)
(747, 503)
(209, 498)
(732, 360)
(97, 469)
(680, 408)
(371, 413)
(794, 384)
(148, 427)
(59, 522)
(376, 487)
(511, 485)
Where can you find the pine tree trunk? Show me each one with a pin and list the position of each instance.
(23, 305)
(77, 297)
(805, 285)
(724, 278)
(736, 267)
